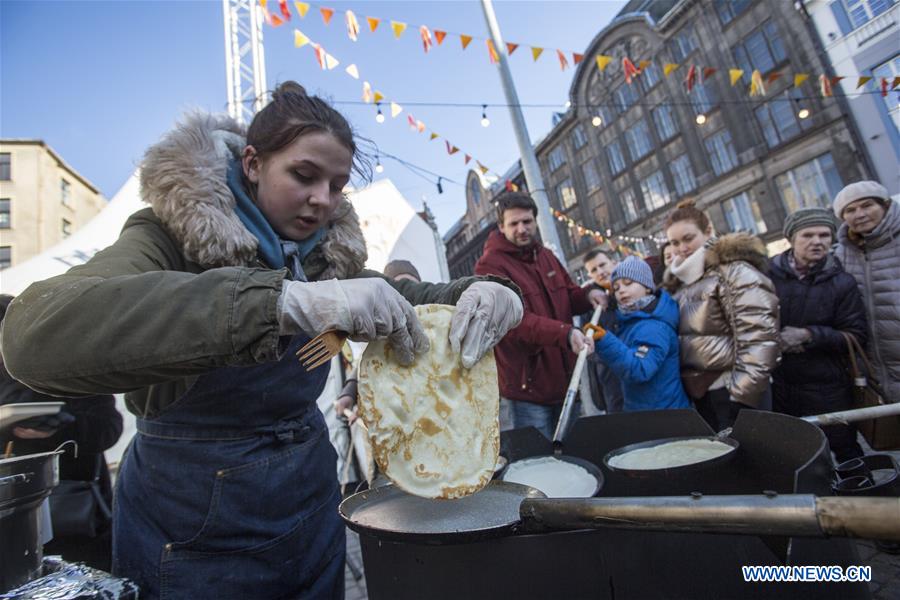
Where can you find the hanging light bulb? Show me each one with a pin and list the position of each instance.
(803, 113)
(380, 116)
(485, 122)
(596, 121)
(701, 119)
(567, 105)
(378, 166)
(440, 188)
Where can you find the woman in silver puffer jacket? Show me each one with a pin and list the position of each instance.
(729, 315)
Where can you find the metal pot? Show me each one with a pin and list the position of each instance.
(25, 482)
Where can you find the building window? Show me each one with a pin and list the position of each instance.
(5, 170)
(742, 214)
(591, 176)
(721, 152)
(638, 139)
(65, 192)
(5, 222)
(729, 9)
(778, 121)
(762, 50)
(665, 124)
(624, 97)
(683, 43)
(813, 183)
(683, 175)
(475, 191)
(703, 98)
(574, 237)
(565, 193)
(649, 77)
(616, 160)
(629, 207)
(656, 194)
(889, 71)
(557, 158)
(606, 113)
(862, 11)
(5, 256)
(578, 137)
(66, 228)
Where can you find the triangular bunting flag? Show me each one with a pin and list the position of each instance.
(352, 25)
(439, 36)
(643, 64)
(302, 8)
(836, 79)
(773, 76)
(330, 61)
(465, 40)
(668, 68)
(433, 136)
(367, 92)
(420, 126)
(603, 61)
(379, 96)
(373, 23)
(825, 86)
(352, 71)
(285, 11)
(274, 20)
(735, 75)
(691, 78)
(482, 168)
(577, 58)
(492, 54)
(863, 81)
(327, 13)
(510, 48)
(895, 83)
(799, 78)
(320, 55)
(708, 72)
(629, 70)
(757, 86)
(396, 109)
(536, 52)
(451, 149)
(411, 121)
(398, 28)
(563, 63)
(300, 39)
(884, 87)
(468, 158)
(425, 34)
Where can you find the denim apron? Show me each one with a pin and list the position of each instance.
(231, 492)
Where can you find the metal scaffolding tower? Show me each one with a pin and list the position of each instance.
(245, 63)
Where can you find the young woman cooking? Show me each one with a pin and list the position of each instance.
(249, 249)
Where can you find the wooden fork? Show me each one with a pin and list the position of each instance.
(319, 350)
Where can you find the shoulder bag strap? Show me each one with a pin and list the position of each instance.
(869, 376)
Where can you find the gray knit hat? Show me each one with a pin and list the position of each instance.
(401, 267)
(858, 191)
(636, 270)
(808, 217)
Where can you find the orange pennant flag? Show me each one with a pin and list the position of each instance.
(451, 149)
(302, 8)
(668, 68)
(835, 80)
(492, 54)
(773, 76)
(799, 78)
(425, 34)
(274, 20)
(378, 97)
(433, 136)
(468, 158)
(510, 48)
(536, 52)
(895, 83)
(603, 61)
(708, 72)
(420, 126)
(465, 40)
(439, 36)
(398, 28)
(735, 75)
(352, 25)
(643, 64)
(327, 13)
(863, 81)
(629, 69)
(300, 39)
(563, 63)
(285, 11)
(320, 55)
(577, 58)
(373, 23)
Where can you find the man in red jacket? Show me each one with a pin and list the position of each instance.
(534, 360)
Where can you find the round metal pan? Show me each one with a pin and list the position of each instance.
(669, 471)
(389, 513)
(588, 466)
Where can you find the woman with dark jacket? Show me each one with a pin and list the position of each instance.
(95, 425)
(818, 302)
(248, 250)
(729, 315)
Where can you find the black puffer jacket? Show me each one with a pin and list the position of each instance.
(826, 301)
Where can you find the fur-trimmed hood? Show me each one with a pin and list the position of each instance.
(183, 178)
(729, 248)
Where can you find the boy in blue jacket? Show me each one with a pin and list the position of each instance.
(644, 355)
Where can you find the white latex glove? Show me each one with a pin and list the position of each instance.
(484, 313)
(368, 309)
(578, 340)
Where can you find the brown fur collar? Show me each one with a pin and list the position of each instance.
(183, 177)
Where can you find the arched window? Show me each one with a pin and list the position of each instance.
(475, 191)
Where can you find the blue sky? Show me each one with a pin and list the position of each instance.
(100, 81)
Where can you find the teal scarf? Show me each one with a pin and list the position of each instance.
(275, 252)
